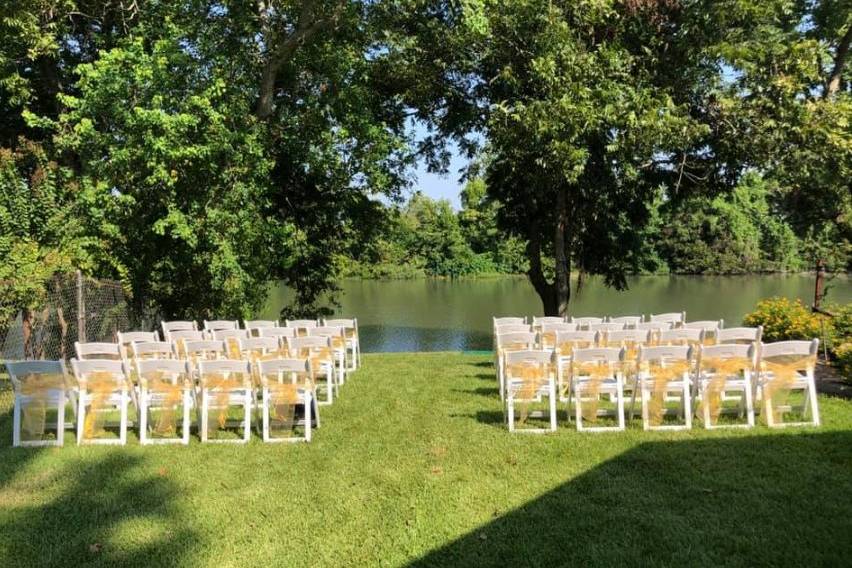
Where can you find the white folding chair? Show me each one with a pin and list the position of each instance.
(681, 336)
(301, 325)
(152, 350)
(289, 379)
(537, 322)
(223, 384)
(664, 370)
(548, 331)
(566, 343)
(506, 342)
(171, 326)
(254, 326)
(219, 325)
(103, 386)
(654, 326)
(723, 369)
(594, 372)
(674, 318)
(98, 351)
(630, 340)
(338, 347)
(127, 338)
(629, 322)
(584, 324)
(39, 386)
(710, 327)
(318, 350)
(529, 377)
(232, 338)
(788, 365)
(353, 342)
(606, 326)
(512, 328)
(745, 335)
(279, 333)
(180, 338)
(509, 321)
(164, 384)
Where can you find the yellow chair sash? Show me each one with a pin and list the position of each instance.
(220, 386)
(99, 385)
(566, 348)
(283, 398)
(158, 382)
(785, 373)
(37, 387)
(660, 374)
(232, 348)
(533, 377)
(722, 369)
(594, 374)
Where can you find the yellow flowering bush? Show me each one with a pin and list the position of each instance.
(843, 359)
(784, 319)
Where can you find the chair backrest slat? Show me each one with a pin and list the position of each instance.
(666, 353)
(637, 336)
(277, 332)
(118, 369)
(606, 326)
(512, 328)
(222, 334)
(529, 356)
(186, 335)
(654, 325)
(598, 354)
(585, 322)
(160, 349)
(97, 350)
(789, 348)
(675, 318)
(218, 325)
(681, 334)
(628, 321)
(128, 337)
(511, 320)
(526, 337)
(169, 327)
(739, 334)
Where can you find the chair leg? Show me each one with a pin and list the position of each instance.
(265, 414)
(307, 416)
(81, 416)
(143, 417)
(813, 400)
(620, 402)
(122, 425)
(247, 423)
(187, 403)
(60, 420)
(204, 411)
(646, 419)
(687, 404)
(16, 422)
(552, 396)
(510, 402)
(749, 402)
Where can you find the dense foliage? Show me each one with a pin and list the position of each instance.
(198, 150)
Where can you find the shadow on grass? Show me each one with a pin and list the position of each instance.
(764, 500)
(490, 392)
(101, 506)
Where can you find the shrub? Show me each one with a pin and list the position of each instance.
(843, 360)
(842, 322)
(783, 319)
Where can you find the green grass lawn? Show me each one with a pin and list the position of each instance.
(413, 466)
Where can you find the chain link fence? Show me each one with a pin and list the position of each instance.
(76, 308)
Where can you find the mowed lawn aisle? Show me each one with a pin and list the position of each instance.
(413, 466)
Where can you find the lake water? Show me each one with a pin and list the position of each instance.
(447, 315)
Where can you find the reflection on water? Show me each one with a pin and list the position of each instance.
(444, 315)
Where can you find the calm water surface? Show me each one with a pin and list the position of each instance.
(444, 315)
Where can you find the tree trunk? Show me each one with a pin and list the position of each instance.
(833, 83)
(545, 290)
(562, 285)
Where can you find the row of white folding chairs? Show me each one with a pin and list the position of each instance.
(334, 371)
(554, 336)
(565, 383)
(215, 329)
(75, 392)
(350, 347)
(709, 326)
(676, 319)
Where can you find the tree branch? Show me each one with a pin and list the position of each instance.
(833, 84)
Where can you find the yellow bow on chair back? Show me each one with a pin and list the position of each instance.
(220, 387)
(36, 387)
(785, 373)
(533, 375)
(171, 387)
(100, 386)
(722, 369)
(660, 373)
(283, 396)
(594, 373)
